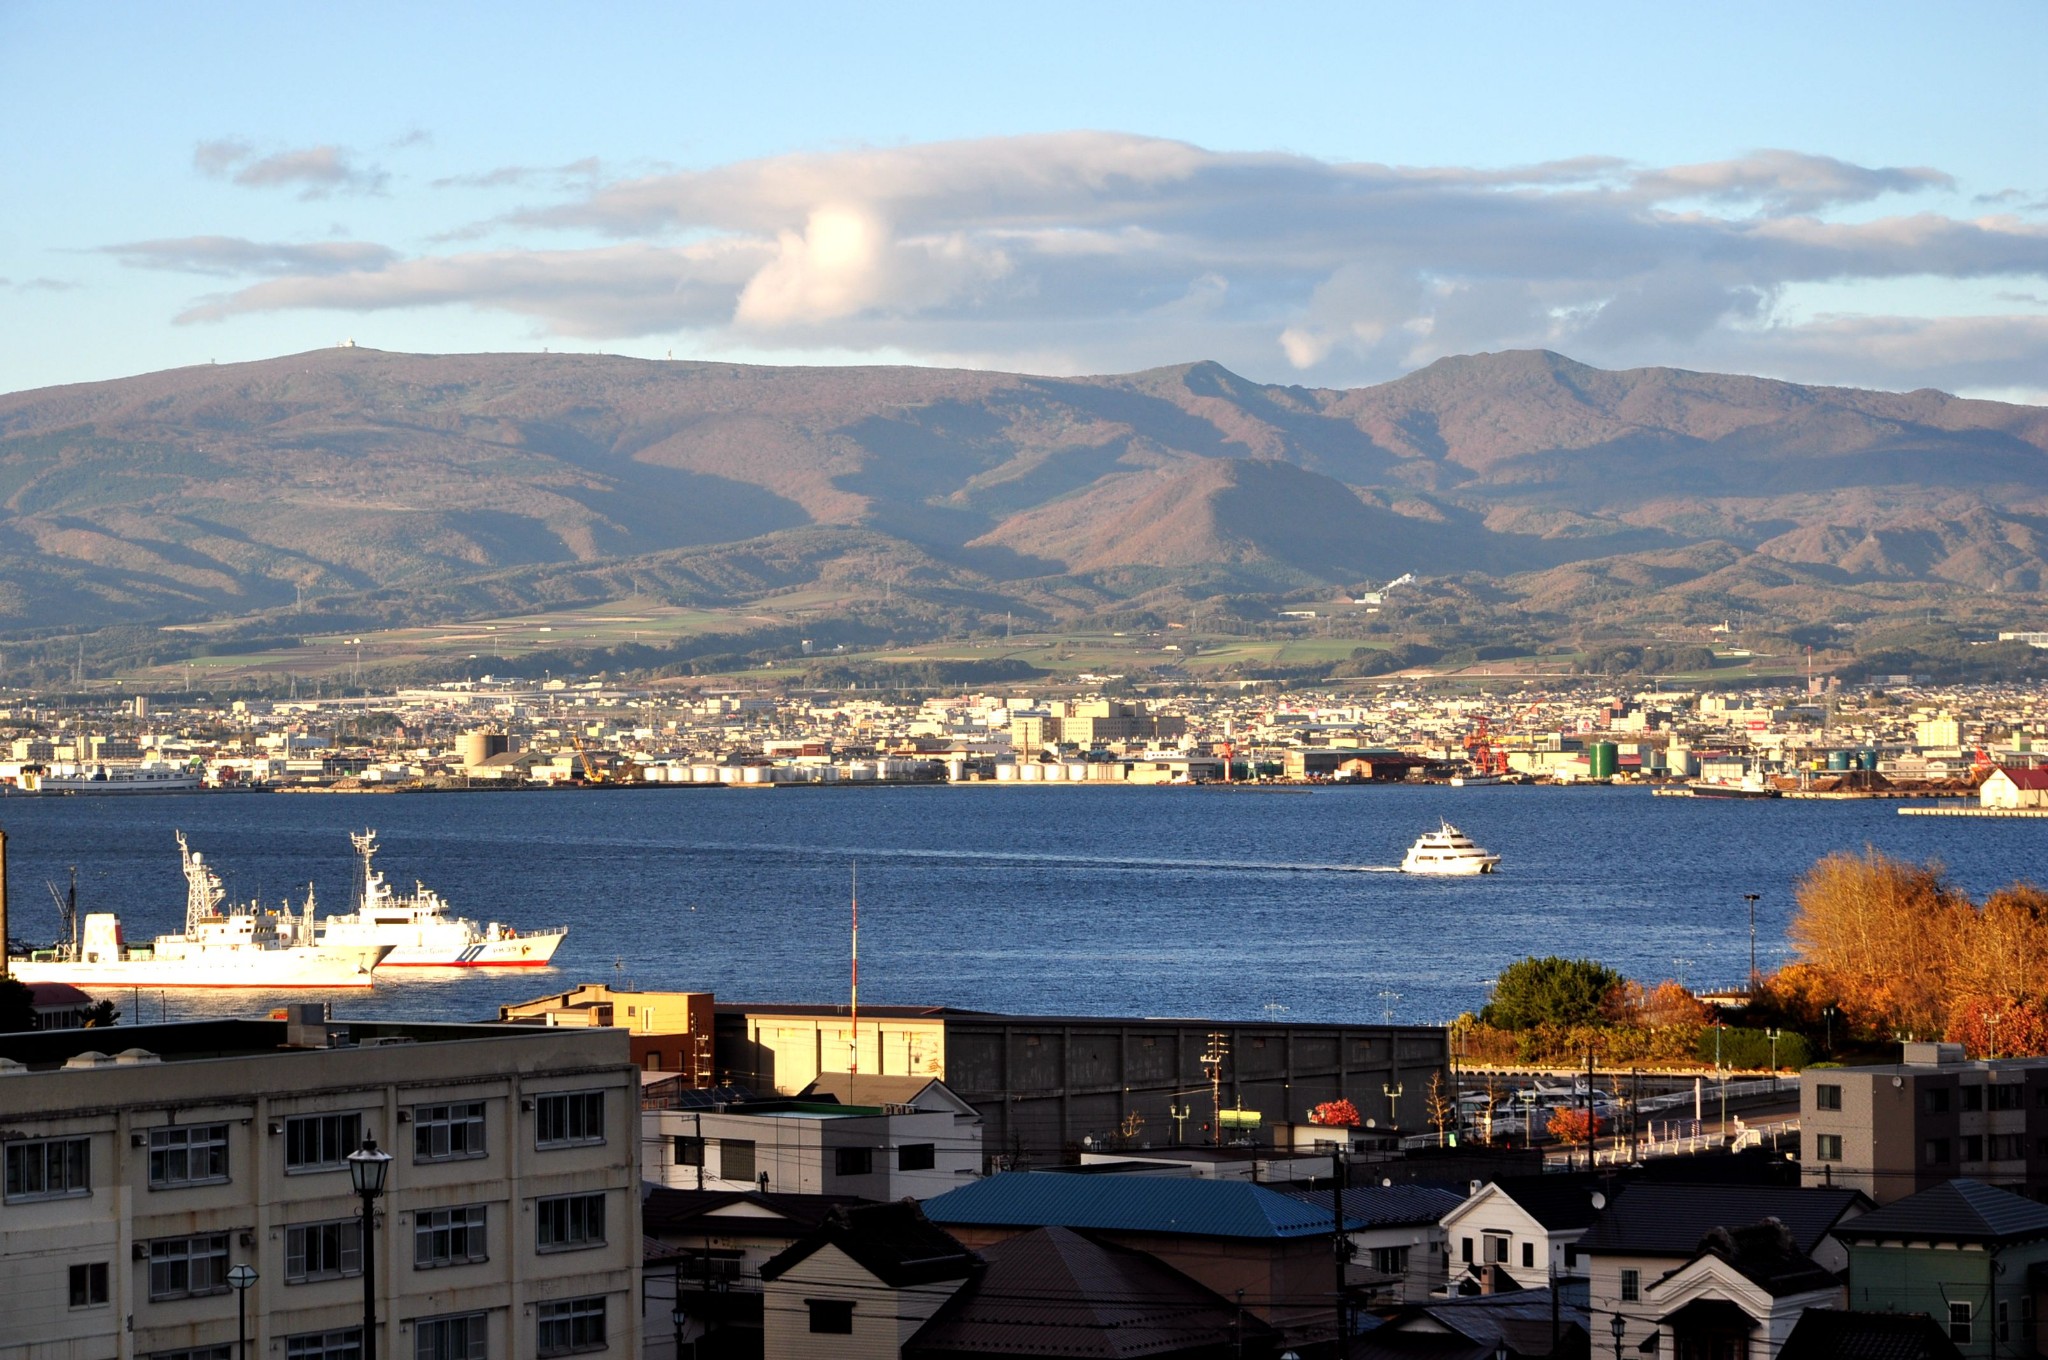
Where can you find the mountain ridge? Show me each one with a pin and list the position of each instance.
(227, 489)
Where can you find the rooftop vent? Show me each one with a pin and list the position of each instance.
(1934, 1055)
(10, 1068)
(136, 1057)
(88, 1059)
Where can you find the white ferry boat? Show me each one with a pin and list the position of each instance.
(422, 933)
(1447, 851)
(223, 945)
(116, 779)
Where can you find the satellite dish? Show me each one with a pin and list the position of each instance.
(1473, 1187)
(1386, 1181)
(1599, 1200)
(1898, 1082)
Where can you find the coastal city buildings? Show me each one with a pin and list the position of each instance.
(137, 1184)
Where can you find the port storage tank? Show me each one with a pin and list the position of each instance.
(1838, 761)
(1604, 758)
(474, 748)
(1868, 757)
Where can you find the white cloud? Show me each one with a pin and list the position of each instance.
(316, 171)
(1105, 251)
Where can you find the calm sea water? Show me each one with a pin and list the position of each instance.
(1202, 902)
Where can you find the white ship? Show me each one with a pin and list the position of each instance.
(114, 779)
(1448, 851)
(422, 933)
(223, 945)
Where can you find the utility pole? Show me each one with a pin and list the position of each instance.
(1212, 1058)
(1340, 1245)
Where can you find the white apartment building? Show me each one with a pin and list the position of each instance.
(802, 1147)
(134, 1184)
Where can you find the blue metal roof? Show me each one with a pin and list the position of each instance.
(1158, 1204)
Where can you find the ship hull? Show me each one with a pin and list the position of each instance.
(521, 951)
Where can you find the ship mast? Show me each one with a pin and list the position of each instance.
(203, 890)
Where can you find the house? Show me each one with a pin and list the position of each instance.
(1400, 1253)
(861, 1285)
(1650, 1229)
(59, 1005)
(1054, 1294)
(2011, 787)
(1966, 1254)
(1226, 1235)
(670, 1031)
(1839, 1334)
(814, 1147)
(1528, 1226)
(134, 1183)
(705, 1250)
(1519, 1325)
(1892, 1129)
(1741, 1293)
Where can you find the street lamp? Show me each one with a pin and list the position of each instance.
(241, 1277)
(1751, 899)
(1617, 1325)
(367, 1168)
(677, 1316)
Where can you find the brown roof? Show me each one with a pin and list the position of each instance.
(893, 1242)
(1054, 1292)
(668, 1212)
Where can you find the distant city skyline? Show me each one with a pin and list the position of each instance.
(1328, 195)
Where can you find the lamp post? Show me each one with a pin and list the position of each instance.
(367, 1169)
(241, 1277)
(1617, 1325)
(677, 1316)
(1751, 899)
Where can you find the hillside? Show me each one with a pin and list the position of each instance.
(438, 483)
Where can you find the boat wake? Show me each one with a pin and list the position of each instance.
(1029, 859)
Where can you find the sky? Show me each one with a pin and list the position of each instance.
(1328, 195)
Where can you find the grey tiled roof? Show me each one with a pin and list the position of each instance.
(1960, 1210)
(1652, 1219)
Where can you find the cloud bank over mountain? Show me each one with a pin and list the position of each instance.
(1103, 251)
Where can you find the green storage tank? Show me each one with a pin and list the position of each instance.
(1606, 759)
(1839, 760)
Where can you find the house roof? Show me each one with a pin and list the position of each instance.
(1558, 1202)
(1382, 1206)
(873, 1089)
(1473, 1328)
(2026, 778)
(1656, 1219)
(1132, 1203)
(1766, 1255)
(1838, 1334)
(1961, 1210)
(666, 1211)
(892, 1242)
(1053, 1291)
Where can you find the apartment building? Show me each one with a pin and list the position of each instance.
(1895, 1129)
(814, 1148)
(135, 1183)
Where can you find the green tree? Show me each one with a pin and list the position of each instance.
(1549, 991)
(17, 1007)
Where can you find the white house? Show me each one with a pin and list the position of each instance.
(2010, 787)
(805, 1147)
(1740, 1294)
(1529, 1226)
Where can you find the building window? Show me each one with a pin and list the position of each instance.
(1935, 1100)
(48, 1168)
(1827, 1147)
(1935, 1151)
(1496, 1248)
(917, 1157)
(569, 1118)
(1528, 1256)
(569, 1222)
(689, 1150)
(736, 1159)
(323, 1251)
(831, 1317)
(2003, 1321)
(194, 1154)
(2026, 1317)
(1973, 1147)
(1631, 1286)
(1959, 1323)
(1390, 1260)
(346, 1344)
(2006, 1147)
(1973, 1098)
(321, 1142)
(187, 1267)
(89, 1285)
(570, 1325)
(448, 1237)
(1827, 1097)
(221, 1352)
(853, 1161)
(2005, 1097)
(448, 1133)
(1465, 1250)
(461, 1337)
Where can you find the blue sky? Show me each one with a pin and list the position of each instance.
(1319, 194)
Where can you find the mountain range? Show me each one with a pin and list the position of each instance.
(444, 484)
